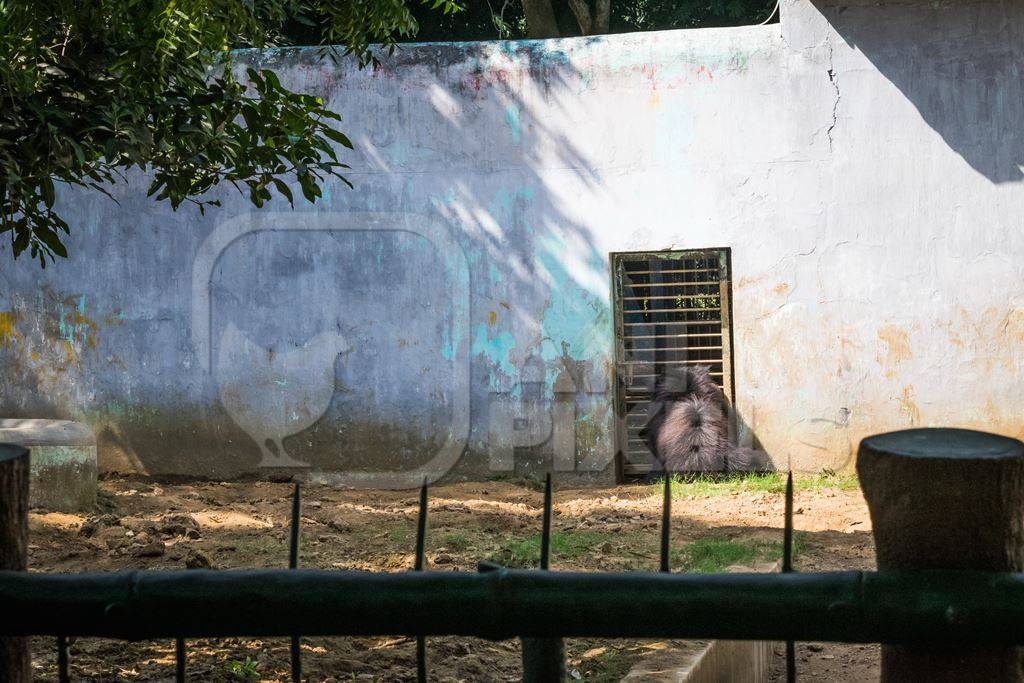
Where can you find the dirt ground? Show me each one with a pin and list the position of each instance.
(144, 525)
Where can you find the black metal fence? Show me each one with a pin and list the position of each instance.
(541, 607)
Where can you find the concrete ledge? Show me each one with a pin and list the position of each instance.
(717, 661)
(63, 461)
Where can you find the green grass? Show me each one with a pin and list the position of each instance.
(610, 666)
(268, 549)
(259, 546)
(707, 485)
(247, 670)
(400, 536)
(456, 541)
(828, 479)
(713, 555)
(525, 552)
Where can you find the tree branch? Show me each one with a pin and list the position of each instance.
(540, 19)
(581, 11)
(602, 15)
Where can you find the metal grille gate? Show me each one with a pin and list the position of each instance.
(671, 309)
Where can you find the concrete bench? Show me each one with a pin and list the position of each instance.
(63, 461)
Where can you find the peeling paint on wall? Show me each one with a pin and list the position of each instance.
(8, 331)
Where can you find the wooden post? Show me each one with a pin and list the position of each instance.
(946, 499)
(15, 663)
(544, 658)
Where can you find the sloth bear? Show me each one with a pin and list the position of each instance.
(687, 426)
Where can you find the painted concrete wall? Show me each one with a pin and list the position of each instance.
(862, 161)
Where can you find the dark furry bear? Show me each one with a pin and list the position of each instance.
(687, 426)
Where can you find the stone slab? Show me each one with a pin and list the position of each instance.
(63, 461)
(715, 661)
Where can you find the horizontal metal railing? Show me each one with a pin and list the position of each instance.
(541, 607)
(498, 603)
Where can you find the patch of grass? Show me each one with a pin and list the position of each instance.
(610, 666)
(259, 546)
(400, 535)
(713, 555)
(456, 541)
(267, 547)
(828, 479)
(525, 552)
(247, 670)
(708, 485)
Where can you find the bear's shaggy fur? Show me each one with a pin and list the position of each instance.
(687, 426)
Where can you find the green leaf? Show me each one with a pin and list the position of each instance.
(46, 191)
(51, 240)
(21, 240)
(272, 79)
(283, 188)
(338, 137)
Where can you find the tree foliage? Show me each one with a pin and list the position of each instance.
(491, 19)
(91, 90)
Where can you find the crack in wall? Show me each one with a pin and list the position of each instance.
(835, 106)
(834, 80)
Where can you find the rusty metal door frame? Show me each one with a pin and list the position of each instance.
(723, 256)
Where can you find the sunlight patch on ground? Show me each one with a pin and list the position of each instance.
(225, 519)
(58, 520)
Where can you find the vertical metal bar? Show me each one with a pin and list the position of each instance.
(63, 669)
(293, 563)
(725, 315)
(666, 522)
(179, 660)
(421, 529)
(421, 659)
(544, 658)
(545, 533)
(787, 567)
(657, 279)
(787, 534)
(421, 544)
(618, 380)
(293, 544)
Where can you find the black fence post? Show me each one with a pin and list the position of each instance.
(666, 524)
(15, 660)
(293, 563)
(179, 660)
(421, 550)
(946, 499)
(63, 668)
(544, 658)
(787, 568)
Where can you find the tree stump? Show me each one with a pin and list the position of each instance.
(946, 499)
(15, 664)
